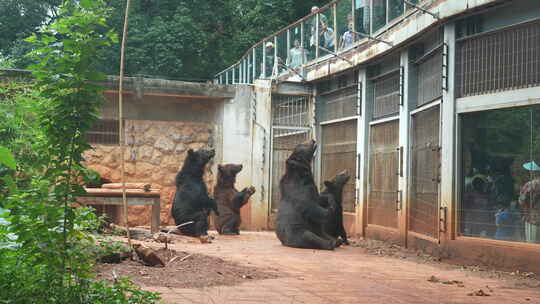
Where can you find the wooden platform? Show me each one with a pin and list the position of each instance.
(135, 197)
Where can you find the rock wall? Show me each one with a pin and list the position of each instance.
(155, 152)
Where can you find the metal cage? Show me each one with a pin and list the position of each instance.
(425, 173)
(338, 154)
(291, 125)
(500, 60)
(383, 174)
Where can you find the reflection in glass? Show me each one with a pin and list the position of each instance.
(501, 174)
(345, 25)
(258, 61)
(362, 16)
(310, 37)
(395, 9)
(282, 51)
(379, 14)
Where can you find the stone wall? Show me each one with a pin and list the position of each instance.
(155, 152)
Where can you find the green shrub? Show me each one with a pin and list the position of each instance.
(47, 245)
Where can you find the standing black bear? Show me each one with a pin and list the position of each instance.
(191, 200)
(229, 200)
(300, 217)
(333, 194)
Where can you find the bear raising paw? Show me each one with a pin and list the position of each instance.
(229, 200)
(301, 219)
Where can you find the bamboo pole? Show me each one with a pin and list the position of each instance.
(121, 120)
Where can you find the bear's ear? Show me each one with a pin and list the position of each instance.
(220, 167)
(190, 152)
(328, 184)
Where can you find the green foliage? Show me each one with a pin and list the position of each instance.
(103, 247)
(119, 292)
(189, 40)
(45, 242)
(21, 18)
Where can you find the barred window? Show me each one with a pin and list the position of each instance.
(500, 60)
(104, 132)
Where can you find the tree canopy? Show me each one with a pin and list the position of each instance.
(188, 40)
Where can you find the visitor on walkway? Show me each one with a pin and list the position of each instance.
(297, 56)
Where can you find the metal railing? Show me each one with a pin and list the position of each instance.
(333, 29)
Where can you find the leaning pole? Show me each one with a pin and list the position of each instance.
(121, 121)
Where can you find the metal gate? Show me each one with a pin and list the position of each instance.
(291, 125)
(383, 174)
(425, 173)
(339, 153)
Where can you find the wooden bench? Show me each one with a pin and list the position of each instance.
(135, 197)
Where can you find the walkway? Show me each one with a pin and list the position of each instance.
(347, 275)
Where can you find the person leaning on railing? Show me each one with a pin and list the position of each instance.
(348, 37)
(297, 56)
(327, 36)
(322, 18)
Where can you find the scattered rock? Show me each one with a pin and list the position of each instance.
(433, 279)
(161, 237)
(453, 282)
(205, 239)
(479, 293)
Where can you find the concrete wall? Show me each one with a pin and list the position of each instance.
(245, 138)
(161, 108)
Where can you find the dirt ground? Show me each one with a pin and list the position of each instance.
(366, 272)
(184, 270)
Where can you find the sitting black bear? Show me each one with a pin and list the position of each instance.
(229, 200)
(332, 196)
(191, 200)
(300, 217)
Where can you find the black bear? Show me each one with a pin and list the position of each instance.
(300, 216)
(191, 201)
(333, 195)
(229, 200)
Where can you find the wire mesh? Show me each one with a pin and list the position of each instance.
(338, 97)
(430, 78)
(425, 173)
(104, 132)
(498, 61)
(338, 153)
(386, 93)
(383, 178)
(290, 126)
